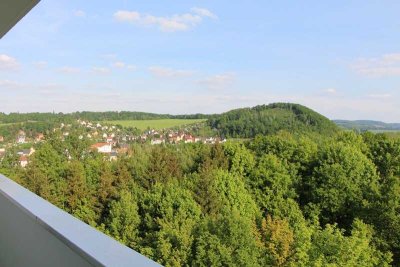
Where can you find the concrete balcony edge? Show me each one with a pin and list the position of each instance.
(27, 218)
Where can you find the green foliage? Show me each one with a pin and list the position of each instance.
(169, 216)
(278, 241)
(124, 220)
(233, 196)
(292, 198)
(331, 247)
(343, 184)
(226, 241)
(270, 119)
(271, 184)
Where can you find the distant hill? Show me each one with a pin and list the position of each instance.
(269, 119)
(238, 123)
(368, 125)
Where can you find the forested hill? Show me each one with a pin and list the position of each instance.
(269, 119)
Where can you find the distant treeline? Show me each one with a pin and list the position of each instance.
(368, 125)
(92, 116)
(132, 115)
(31, 129)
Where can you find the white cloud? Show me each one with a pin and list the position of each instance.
(180, 22)
(119, 64)
(127, 16)
(8, 63)
(80, 13)
(70, 70)
(100, 70)
(386, 65)
(331, 91)
(168, 72)
(218, 81)
(123, 65)
(7, 84)
(380, 96)
(203, 12)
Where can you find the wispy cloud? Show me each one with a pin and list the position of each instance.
(100, 70)
(7, 84)
(179, 22)
(123, 65)
(80, 13)
(109, 56)
(49, 88)
(203, 12)
(8, 63)
(70, 70)
(40, 64)
(386, 65)
(119, 64)
(330, 91)
(380, 96)
(218, 81)
(131, 67)
(168, 72)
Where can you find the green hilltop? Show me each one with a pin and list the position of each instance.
(269, 119)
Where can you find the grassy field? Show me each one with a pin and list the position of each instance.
(154, 124)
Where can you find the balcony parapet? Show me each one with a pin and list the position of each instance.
(34, 232)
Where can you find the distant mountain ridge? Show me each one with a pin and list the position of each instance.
(365, 125)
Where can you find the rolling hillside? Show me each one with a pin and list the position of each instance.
(269, 119)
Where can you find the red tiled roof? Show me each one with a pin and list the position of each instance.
(97, 145)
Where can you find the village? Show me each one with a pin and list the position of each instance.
(110, 140)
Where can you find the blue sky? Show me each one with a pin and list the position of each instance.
(340, 58)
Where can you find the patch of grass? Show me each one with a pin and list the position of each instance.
(155, 124)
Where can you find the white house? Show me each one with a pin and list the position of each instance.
(157, 141)
(23, 161)
(21, 138)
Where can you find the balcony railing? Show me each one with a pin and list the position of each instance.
(34, 232)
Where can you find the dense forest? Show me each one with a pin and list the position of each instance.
(269, 119)
(276, 200)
